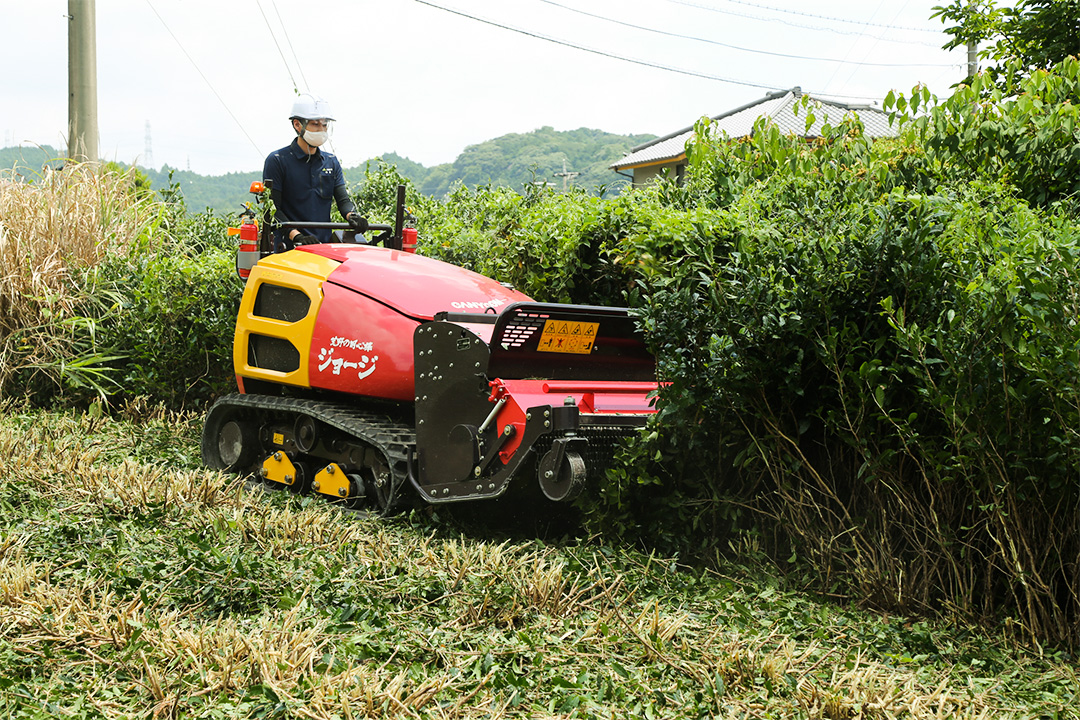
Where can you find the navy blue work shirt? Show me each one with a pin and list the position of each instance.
(304, 187)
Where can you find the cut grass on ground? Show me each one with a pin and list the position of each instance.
(133, 584)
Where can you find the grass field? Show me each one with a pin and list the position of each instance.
(135, 585)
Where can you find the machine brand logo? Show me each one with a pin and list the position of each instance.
(352, 355)
(474, 305)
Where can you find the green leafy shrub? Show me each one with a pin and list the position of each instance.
(171, 324)
(887, 392)
(1027, 134)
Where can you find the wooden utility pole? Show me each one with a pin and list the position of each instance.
(82, 81)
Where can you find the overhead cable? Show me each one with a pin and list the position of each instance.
(603, 53)
(285, 29)
(736, 47)
(203, 76)
(823, 17)
(790, 23)
(278, 46)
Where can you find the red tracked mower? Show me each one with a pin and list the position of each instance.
(375, 376)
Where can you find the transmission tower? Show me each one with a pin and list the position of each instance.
(566, 175)
(148, 151)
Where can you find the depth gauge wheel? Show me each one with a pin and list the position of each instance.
(562, 478)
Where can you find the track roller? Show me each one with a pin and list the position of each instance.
(280, 470)
(333, 481)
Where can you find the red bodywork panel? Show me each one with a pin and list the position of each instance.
(362, 342)
(362, 347)
(591, 397)
(412, 284)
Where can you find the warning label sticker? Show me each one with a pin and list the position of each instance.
(565, 336)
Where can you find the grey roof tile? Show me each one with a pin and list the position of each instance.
(779, 106)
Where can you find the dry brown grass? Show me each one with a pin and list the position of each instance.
(62, 221)
(457, 627)
(52, 228)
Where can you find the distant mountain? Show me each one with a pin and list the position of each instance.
(226, 193)
(518, 158)
(511, 161)
(29, 159)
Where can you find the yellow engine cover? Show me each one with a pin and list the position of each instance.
(273, 342)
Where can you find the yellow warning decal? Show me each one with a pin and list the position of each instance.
(567, 336)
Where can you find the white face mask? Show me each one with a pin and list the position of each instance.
(315, 139)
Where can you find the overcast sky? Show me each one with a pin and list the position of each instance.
(215, 80)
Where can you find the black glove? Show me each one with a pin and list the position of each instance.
(359, 223)
(305, 240)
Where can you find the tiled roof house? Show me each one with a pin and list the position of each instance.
(649, 160)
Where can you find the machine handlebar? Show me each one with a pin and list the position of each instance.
(389, 236)
(385, 231)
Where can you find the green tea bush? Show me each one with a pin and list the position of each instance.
(868, 349)
(880, 382)
(889, 403)
(172, 320)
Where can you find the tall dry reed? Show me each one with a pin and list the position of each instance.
(54, 226)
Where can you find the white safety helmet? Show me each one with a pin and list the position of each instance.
(311, 107)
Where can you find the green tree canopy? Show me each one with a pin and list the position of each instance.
(1035, 33)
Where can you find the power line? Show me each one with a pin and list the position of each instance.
(288, 39)
(836, 31)
(873, 46)
(826, 17)
(736, 47)
(603, 53)
(203, 76)
(278, 46)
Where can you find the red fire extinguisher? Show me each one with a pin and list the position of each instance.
(247, 254)
(408, 239)
(408, 233)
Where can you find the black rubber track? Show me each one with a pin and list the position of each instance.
(389, 437)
